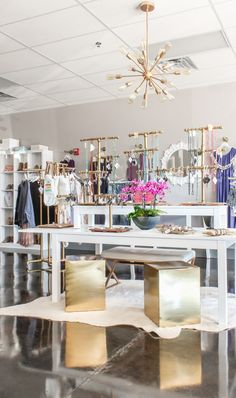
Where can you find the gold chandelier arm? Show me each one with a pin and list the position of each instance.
(162, 81)
(138, 75)
(133, 69)
(145, 96)
(160, 55)
(158, 70)
(139, 86)
(131, 58)
(156, 87)
(157, 60)
(167, 82)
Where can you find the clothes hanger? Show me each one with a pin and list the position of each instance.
(224, 148)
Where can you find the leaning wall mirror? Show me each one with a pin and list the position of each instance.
(175, 159)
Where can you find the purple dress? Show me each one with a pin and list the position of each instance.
(223, 182)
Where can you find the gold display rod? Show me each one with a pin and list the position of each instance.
(207, 128)
(93, 172)
(99, 139)
(141, 150)
(187, 168)
(137, 134)
(110, 157)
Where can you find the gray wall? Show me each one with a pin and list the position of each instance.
(62, 128)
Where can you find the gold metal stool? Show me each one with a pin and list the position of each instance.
(85, 285)
(172, 293)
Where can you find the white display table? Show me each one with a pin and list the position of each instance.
(219, 214)
(152, 238)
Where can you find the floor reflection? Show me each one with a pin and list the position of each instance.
(45, 359)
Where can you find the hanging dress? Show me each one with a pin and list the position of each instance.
(223, 182)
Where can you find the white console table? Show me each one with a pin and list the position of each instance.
(218, 213)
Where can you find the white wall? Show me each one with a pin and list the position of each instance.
(5, 127)
(62, 128)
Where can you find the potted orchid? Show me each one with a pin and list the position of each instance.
(145, 197)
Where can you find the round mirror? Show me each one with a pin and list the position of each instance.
(175, 160)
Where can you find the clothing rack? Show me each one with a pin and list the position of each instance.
(55, 169)
(42, 259)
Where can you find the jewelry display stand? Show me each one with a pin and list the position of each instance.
(97, 172)
(109, 203)
(201, 155)
(145, 150)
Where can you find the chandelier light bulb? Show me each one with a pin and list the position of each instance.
(133, 69)
(132, 98)
(144, 103)
(114, 77)
(170, 96)
(126, 85)
(111, 77)
(168, 46)
(124, 51)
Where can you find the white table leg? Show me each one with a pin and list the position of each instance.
(208, 270)
(98, 249)
(222, 284)
(188, 220)
(56, 269)
(132, 269)
(189, 224)
(223, 364)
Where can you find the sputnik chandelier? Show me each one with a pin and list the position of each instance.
(153, 74)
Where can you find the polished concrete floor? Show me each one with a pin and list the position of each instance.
(43, 359)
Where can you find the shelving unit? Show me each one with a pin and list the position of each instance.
(32, 161)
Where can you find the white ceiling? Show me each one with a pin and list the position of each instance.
(48, 50)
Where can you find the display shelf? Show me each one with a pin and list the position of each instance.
(31, 162)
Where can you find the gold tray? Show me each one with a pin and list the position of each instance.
(58, 226)
(202, 204)
(116, 230)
